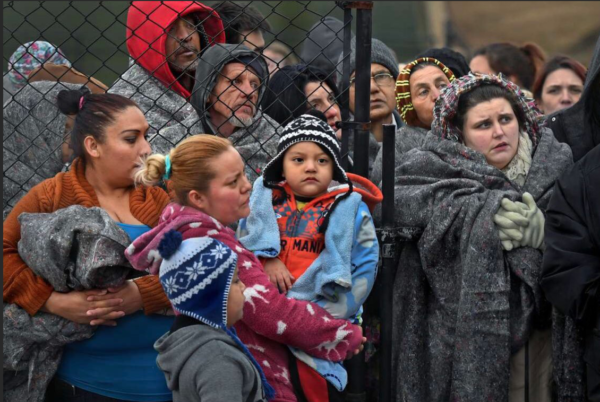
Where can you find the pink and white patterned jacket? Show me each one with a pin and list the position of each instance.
(271, 320)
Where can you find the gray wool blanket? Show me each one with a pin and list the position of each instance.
(462, 304)
(74, 248)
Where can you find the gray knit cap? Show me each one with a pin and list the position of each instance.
(380, 54)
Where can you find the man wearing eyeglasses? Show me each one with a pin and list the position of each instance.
(384, 71)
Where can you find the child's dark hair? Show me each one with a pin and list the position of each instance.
(93, 113)
(485, 93)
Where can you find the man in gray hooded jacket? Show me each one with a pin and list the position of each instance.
(230, 83)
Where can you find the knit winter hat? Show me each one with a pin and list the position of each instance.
(30, 56)
(380, 54)
(305, 128)
(452, 59)
(403, 98)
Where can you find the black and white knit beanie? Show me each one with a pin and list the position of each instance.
(307, 127)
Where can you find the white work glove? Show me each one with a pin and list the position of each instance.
(520, 224)
(510, 220)
(533, 234)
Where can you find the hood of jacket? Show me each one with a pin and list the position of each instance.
(324, 44)
(177, 348)
(148, 23)
(447, 104)
(211, 64)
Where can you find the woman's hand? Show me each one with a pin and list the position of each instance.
(353, 353)
(533, 234)
(520, 224)
(128, 293)
(278, 274)
(510, 220)
(76, 306)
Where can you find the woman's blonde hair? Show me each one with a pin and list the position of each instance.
(191, 167)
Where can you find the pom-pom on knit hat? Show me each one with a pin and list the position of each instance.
(403, 98)
(196, 275)
(307, 127)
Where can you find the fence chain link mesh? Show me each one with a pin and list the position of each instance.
(91, 46)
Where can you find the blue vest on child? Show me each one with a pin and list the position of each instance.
(120, 362)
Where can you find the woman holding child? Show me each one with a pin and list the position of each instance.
(469, 300)
(211, 191)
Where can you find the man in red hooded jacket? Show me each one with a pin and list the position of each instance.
(164, 40)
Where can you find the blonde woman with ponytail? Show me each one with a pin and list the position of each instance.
(207, 178)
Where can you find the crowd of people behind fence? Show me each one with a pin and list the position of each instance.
(190, 232)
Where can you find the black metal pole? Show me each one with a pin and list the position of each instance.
(344, 85)
(362, 93)
(388, 269)
(357, 367)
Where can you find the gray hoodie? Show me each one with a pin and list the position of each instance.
(202, 363)
(257, 143)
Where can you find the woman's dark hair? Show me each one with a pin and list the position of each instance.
(556, 63)
(521, 62)
(93, 113)
(285, 99)
(485, 93)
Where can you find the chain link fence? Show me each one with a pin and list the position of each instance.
(173, 60)
(93, 44)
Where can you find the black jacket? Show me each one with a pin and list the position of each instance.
(579, 125)
(571, 267)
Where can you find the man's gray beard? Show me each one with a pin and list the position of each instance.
(241, 122)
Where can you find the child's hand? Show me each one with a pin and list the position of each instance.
(279, 274)
(352, 353)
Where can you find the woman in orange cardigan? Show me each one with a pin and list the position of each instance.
(118, 362)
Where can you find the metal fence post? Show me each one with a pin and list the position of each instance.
(363, 88)
(388, 270)
(356, 389)
(345, 97)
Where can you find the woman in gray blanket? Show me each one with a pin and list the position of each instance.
(468, 306)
